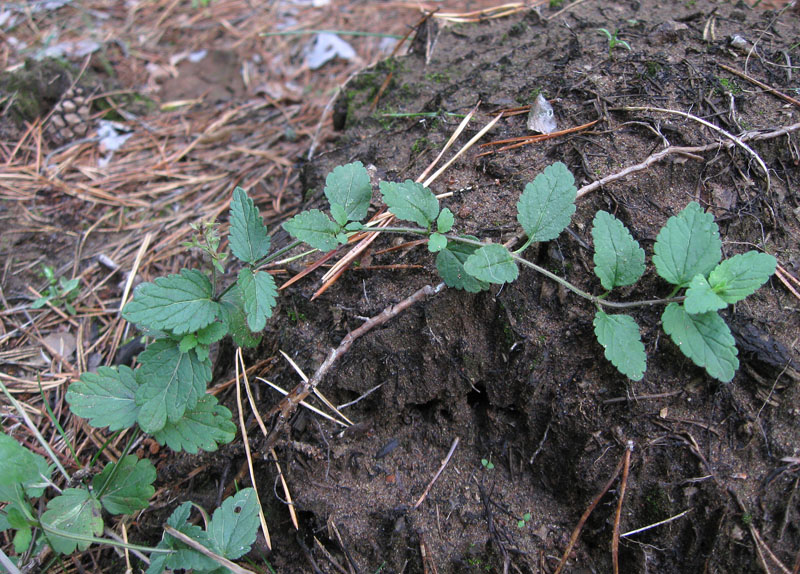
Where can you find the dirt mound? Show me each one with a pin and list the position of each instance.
(515, 374)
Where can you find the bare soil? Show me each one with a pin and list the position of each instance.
(514, 374)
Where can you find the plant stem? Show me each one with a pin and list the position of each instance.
(279, 252)
(124, 453)
(522, 261)
(593, 298)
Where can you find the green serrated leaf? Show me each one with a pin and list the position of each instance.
(339, 214)
(202, 352)
(248, 235)
(232, 315)
(183, 557)
(212, 333)
(106, 398)
(618, 259)
(741, 275)
(619, 335)
(445, 221)
(354, 226)
(700, 298)
(492, 263)
(205, 426)
(127, 488)
(349, 186)
(546, 205)
(180, 303)
(450, 263)
(314, 228)
(20, 469)
(436, 242)
(171, 382)
(75, 511)
(187, 343)
(260, 296)
(22, 539)
(234, 525)
(704, 338)
(687, 245)
(410, 201)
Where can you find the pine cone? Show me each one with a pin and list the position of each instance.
(70, 117)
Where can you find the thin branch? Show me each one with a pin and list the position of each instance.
(287, 406)
(438, 472)
(754, 135)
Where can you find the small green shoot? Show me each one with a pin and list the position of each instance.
(487, 464)
(613, 41)
(524, 520)
(60, 292)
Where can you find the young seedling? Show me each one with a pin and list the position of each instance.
(524, 520)
(60, 292)
(613, 41)
(487, 464)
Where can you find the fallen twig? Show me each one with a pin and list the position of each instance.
(438, 472)
(658, 156)
(622, 486)
(287, 406)
(577, 532)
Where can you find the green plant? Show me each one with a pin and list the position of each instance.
(524, 520)
(73, 519)
(688, 253)
(487, 464)
(613, 41)
(60, 292)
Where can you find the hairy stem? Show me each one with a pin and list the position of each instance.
(597, 300)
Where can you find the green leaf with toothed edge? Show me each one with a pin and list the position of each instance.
(450, 263)
(315, 228)
(106, 398)
(687, 245)
(248, 235)
(20, 470)
(75, 511)
(546, 205)
(179, 303)
(619, 335)
(233, 316)
(741, 275)
(349, 187)
(171, 382)
(492, 263)
(260, 296)
(127, 488)
(234, 525)
(700, 297)
(436, 242)
(410, 201)
(704, 338)
(444, 222)
(206, 426)
(618, 259)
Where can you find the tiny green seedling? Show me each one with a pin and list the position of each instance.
(487, 464)
(524, 520)
(60, 292)
(613, 41)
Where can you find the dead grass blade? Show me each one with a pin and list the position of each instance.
(239, 363)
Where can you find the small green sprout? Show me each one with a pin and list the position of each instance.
(613, 41)
(60, 292)
(524, 520)
(487, 464)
